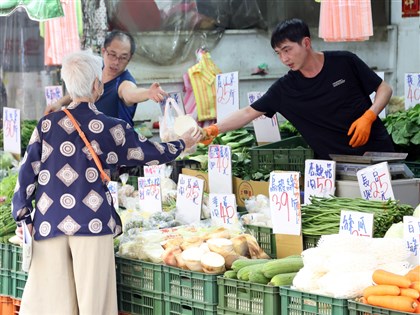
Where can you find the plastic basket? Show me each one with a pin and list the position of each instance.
(16, 263)
(296, 303)
(139, 274)
(5, 256)
(139, 301)
(414, 167)
(6, 305)
(16, 306)
(285, 155)
(265, 238)
(310, 241)
(18, 284)
(189, 285)
(178, 165)
(242, 297)
(356, 308)
(5, 282)
(185, 306)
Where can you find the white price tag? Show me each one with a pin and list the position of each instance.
(150, 196)
(227, 94)
(319, 179)
(356, 223)
(189, 199)
(220, 169)
(375, 182)
(223, 209)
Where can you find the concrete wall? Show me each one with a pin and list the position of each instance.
(394, 49)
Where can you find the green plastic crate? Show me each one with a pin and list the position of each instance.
(414, 167)
(16, 264)
(18, 284)
(310, 241)
(189, 285)
(185, 306)
(140, 301)
(285, 155)
(242, 297)
(5, 282)
(140, 275)
(356, 308)
(5, 256)
(295, 302)
(265, 238)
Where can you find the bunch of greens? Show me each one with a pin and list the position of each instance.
(404, 128)
(288, 130)
(7, 223)
(240, 141)
(322, 216)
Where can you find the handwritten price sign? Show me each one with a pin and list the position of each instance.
(412, 235)
(356, 223)
(375, 182)
(53, 93)
(11, 130)
(266, 129)
(189, 199)
(223, 209)
(284, 197)
(412, 89)
(227, 94)
(113, 189)
(220, 169)
(150, 194)
(319, 179)
(154, 170)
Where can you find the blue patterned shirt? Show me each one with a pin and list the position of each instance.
(59, 173)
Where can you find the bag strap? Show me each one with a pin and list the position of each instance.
(104, 176)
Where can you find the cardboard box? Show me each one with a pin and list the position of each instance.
(243, 189)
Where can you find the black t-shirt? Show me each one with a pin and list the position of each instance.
(324, 107)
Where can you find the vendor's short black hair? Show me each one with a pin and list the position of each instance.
(293, 29)
(120, 35)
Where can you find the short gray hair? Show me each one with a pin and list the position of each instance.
(79, 71)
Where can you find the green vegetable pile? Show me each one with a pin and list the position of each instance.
(288, 130)
(404, 128)
(7, 223)
(240, 141)
(322, 216)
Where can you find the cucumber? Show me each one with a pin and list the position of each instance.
(243, 273)
(256, 276)
(230, 274)
(283, 279)
(282, 265)
(240, 263)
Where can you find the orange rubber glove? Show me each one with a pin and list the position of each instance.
(361, 128)
(209, 133)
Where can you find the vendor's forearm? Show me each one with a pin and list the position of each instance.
(382, 97)
(238, 119)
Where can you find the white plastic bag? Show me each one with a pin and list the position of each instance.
(167, 121)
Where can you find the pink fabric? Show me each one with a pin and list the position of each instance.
(345, 20)
(61, 35)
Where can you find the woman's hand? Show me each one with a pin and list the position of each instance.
(191, 137)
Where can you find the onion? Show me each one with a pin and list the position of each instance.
(183, 124)
(192, 258)
(213, 263)
(222, 246)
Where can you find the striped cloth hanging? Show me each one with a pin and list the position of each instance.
(345, 20)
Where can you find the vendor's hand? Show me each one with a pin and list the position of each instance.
(361, 128)
(208, 134)
(156, 93)
(191, 137)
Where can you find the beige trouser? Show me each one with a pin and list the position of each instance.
(71, 275)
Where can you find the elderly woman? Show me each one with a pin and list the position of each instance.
(74, 221)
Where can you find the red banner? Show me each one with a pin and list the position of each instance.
(410, 8)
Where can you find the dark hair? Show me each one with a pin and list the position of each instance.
(120, 35)
(294, 30)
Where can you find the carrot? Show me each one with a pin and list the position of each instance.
(415, 285)
(381, 276)
(413, 274)
(381, 289)
(410, 292)
(398, 303)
